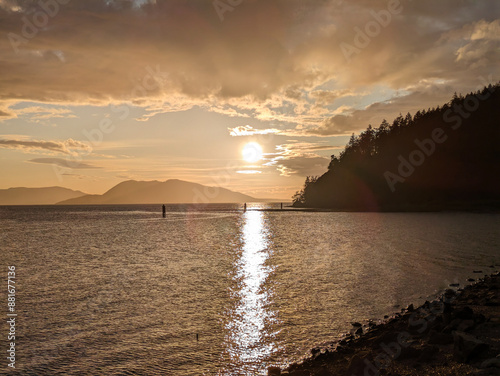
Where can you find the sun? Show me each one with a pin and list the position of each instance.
(252, 152)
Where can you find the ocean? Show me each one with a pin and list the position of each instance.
(215, 290)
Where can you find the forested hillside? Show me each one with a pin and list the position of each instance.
(437, 159)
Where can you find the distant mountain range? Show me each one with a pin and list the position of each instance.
(36, 196)
(157, 192)
(128, 192)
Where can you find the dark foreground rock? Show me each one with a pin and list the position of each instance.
(456, 335)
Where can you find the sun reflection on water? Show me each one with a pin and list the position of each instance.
(248, 330)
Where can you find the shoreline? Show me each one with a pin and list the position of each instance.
(456, 334)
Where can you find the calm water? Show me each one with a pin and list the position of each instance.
(117, 290)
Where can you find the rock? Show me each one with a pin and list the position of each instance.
(359, 331)
(315, 351)
(467, 347)
(436, 338)
(477, 271)
(410, 308)
(471, 280)
(449, 293)
(344, 350)
(273, 371)
(356, 324)
(454, 284)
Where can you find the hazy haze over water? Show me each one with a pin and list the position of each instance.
(118, 290)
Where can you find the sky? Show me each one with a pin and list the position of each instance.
(96, 92)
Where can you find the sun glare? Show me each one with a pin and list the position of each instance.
(252, 152)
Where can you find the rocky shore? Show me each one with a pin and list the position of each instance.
(457, 334)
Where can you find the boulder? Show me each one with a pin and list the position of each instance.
(315, 351)
(467, 347)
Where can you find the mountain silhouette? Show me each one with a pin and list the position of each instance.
(36, 196)
(172, 191)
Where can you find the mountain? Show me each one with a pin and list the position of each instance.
(156, 192)
(445, 158)
(36, 196)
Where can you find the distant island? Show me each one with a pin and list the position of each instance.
(444, 158)
(172, 191)
(36, 196)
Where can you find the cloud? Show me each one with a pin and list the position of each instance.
(44, 113)
(5, 114)
(247, 130)
(420, 97)
(65, 163)
(69, 147)
(10, 5)
(303, 165)
(300, 158)
(289, 69)
(248, 172)
(326, 97)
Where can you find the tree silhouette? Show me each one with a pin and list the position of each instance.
(400, 166)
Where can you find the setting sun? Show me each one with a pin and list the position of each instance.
(252, 152)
